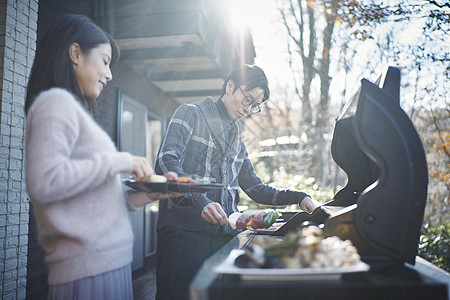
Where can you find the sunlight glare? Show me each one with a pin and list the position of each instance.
(239, 16)
(268, 36)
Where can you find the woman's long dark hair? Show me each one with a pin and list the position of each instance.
(52, 66)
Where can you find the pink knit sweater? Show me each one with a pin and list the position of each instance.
(72, 175)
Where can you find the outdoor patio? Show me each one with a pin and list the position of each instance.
(144, 285)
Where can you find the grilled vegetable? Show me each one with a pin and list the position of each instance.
(270, 218)
(309, 248)
(260, 220)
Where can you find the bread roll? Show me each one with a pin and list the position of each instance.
(157, 179)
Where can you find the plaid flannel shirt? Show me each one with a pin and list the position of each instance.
(194, 146)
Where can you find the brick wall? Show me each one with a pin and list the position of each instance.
(18, 22)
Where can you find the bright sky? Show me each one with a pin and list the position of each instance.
(269, 36)
(270, 40)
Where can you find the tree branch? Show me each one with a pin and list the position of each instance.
(446, 4)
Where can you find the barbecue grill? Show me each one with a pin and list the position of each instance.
(380, 210)
(377, 146)
(381, 207)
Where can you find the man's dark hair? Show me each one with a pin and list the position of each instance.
(52, 66)
(251, 76)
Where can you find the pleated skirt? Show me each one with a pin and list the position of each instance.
(113, 285)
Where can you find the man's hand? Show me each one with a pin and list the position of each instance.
(213, 213)
(161, 196)
(308, 204)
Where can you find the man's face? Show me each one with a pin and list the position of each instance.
(235, 100)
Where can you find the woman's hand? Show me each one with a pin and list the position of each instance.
(213, 213)
(170, 176)
(141, 168)
(308, 204)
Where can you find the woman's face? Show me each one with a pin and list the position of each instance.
(92, 69)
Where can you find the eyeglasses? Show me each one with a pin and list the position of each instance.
(256, 108)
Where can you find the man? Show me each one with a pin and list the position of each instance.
(202, 141)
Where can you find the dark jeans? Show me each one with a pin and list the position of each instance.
(179, 256)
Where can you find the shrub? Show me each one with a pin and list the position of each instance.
(434, 245)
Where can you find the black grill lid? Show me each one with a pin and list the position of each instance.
(377, 146)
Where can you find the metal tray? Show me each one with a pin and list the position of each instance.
(289, 274)
(171, 187)
(268, 231)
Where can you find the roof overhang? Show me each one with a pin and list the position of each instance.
(183, 48)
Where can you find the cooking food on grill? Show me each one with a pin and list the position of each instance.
(259, 220)
(238, 220)
(306, 248)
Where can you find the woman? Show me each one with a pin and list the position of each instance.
(73, 167)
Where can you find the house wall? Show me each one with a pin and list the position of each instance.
(23, 273)
(135, 87)
(18, 23)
